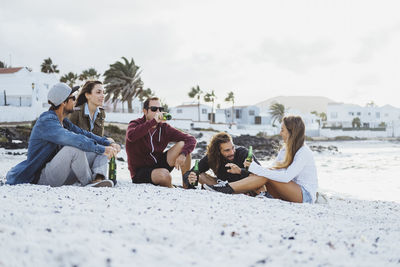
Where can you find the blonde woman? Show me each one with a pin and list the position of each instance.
(293, 176)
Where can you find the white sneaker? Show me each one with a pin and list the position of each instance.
(221, 183)
(100, 183)
(321, 199)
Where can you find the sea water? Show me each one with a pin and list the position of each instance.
(361, 169)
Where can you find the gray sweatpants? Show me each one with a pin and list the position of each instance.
(72, 165)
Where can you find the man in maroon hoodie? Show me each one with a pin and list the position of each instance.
(146, 140)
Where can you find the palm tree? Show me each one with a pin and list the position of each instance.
(322, 117)
(277, 112)
(123, 80)
(231, 99)
(196, 92)
(48, 66)
(210, 97)
(144, 94)
(89, 74)
(69, 79)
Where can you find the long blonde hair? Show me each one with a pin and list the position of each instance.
(296, 129)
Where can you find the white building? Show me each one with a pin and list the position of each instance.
(22, 87)
(23, 93)
(371, 116)
(191, 111)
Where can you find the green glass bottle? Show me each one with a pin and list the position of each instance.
(166, 116)
(249, 156)
(196, 171)
(112, 170)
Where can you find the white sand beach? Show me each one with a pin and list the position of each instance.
(144, 225)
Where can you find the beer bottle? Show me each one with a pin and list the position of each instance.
(196, 171)
(112, 170)
(249, 156)
(166, 116)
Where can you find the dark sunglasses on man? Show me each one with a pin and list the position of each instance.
(154, 109)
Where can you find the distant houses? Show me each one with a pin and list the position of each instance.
(23, 96)
(23, 93)
(362, 122)
(21, 87)
(370, 116)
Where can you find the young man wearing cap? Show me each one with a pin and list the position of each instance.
(61, 153)
(146, 140)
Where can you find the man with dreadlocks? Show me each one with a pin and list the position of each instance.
(224, 159)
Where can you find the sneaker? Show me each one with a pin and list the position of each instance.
(222, 187)
(100, 183)
(321, 198)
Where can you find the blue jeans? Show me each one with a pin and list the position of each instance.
(306, 195)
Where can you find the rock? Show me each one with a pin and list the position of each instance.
(319, 148)
(263, 148)
(14, 137)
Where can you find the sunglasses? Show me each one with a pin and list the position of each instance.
(154, 109)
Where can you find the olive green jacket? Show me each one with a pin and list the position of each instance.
(80, 119)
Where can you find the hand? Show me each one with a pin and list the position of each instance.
(110, 152)
(234, 169)
(246, 163)
(192, 178)
(158, 117)
(116, 146)
(180, 161)
(110, 139)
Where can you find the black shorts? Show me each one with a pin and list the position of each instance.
(143, 175)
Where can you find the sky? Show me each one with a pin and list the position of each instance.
(348, 51)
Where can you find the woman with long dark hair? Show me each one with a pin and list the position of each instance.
(293, 176)
(88, 112)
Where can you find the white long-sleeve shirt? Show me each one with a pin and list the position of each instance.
(302, 171)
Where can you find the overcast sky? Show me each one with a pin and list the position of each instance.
(346, 50)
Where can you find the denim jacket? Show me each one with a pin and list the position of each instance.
(46, 137)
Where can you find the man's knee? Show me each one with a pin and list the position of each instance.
(180, 145)
(161, 177)
(72, 150)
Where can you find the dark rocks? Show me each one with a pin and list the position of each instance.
(263, 148)
(319, 148)
(201, 148)
(14, 137)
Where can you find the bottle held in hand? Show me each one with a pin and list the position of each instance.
(112, 170)
(249, 156)
(165, 116)
(196, 171)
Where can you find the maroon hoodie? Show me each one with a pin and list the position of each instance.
(145, 145)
